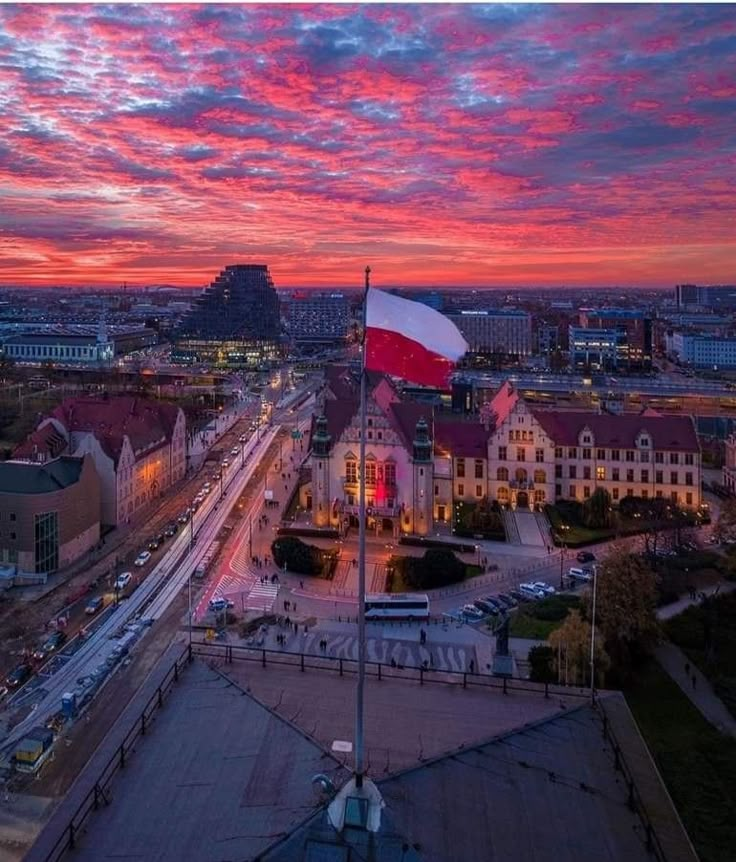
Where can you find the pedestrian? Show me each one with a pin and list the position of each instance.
(293, 606)
(472, 666)
(431, 660)
(288, 622)
(296, 628)
(285, 604)
(301, 585)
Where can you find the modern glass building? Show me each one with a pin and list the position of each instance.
(235, 322)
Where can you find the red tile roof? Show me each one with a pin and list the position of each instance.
(618, 431)
(42, 444)
(499, 407)
(147, 423)
(461, 439)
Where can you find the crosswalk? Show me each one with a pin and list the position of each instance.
(262, 596)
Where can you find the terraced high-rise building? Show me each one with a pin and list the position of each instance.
(235, 322)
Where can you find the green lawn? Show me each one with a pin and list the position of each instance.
(688, 631)
(539, 619)
(697, 763)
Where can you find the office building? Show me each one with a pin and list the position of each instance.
(138, 446)
(235, 322)
(634, 328)
(499, 331)
(316, 318)
(594, 349)
(691, 296)
(702, 351)
(49, 513)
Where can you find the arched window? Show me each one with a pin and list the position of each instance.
(351, 471)
(521, 475)
(540, 477)
(503, 495)
(502, 474)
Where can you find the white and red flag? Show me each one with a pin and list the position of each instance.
(410, 340)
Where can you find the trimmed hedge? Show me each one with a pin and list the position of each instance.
(301, 558)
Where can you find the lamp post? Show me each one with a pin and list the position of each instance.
(592, 638)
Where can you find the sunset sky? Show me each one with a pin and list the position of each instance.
(444, 145)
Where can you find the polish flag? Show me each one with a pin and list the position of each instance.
(410, 340)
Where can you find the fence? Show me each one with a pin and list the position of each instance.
(97, 795)
(380, 671)
(634, 800)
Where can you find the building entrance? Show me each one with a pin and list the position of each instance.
(522, 500)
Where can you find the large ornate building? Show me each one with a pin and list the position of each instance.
(420, 463)
(138, 446)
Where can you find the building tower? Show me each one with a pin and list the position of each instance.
(422, 478)
(321, 500)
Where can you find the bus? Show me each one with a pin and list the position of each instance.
(397, 606)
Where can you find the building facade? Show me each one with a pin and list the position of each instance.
(496, 331)
(702, 351)
(49, 513)
(633, 329)
(138, 446)
(314, 317)
(593, 349)
(235, 322)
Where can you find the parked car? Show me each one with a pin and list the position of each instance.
(155, 542)
(508, 600)
(18, 676)
(122, 580)
(171, 530)
(142, 559)
(494, 602)
(220, 604)
(472, 612)
(93, 605)
(185, 516)
(243, 438)
(225, 463)
(206, 488)
(486, 607)
(215, 477)
(585, 557)
(547, 589)
(580, 574)
(52, 643)
(531, 591)
(519, 596)
(235, 451)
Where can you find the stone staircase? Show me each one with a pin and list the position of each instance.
(509, 525)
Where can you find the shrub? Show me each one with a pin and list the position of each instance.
(437, 568)
(300, 558)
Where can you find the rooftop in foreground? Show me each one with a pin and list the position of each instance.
(226, 772)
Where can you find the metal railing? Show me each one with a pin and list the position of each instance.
(379, 670)
(97, 795)
(634, 800)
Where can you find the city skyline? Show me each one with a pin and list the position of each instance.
(472, 146)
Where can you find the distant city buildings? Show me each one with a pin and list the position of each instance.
(618, 338)
(316, 318)
(702, 351)
(693, 296)
(496, 331)
(594, 349)
(138, 446)
(235, 322)
(49, 512)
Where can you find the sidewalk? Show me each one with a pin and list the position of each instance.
(682, 604)
(674, 661)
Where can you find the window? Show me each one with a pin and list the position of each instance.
(673, 496)
(629, 492)
(586, 491)
(689, 498)
(600, 473)
(461, 490)
(659, 457)
(572, 491)
(46, 545)
(351, 472)
(586, 472)
(629, 475)
(629, 455)
(436, 490)
(615, 455)
(478, 490)
(600, 454)
(673, 478)
(460, 468)
(370, 472)
(645, 494)
(539, 455)
(478, 468)
(688, 478)
(379, 434)
(573, 471)
(540, 477)
(13, 537)
(572, 452)
(645, 475)
(502, 474)
(503, 495)
(586, 438)
(558, 490)
(689, 461)
(614, 493)
(390, 473)
(558, 451)
(521, 454)
(615, 474)
(558, 471)
(12, 516)
(658, 477)
(674, 458)
(539, 496)
(501, 453)
(520, 475)
(586, 454)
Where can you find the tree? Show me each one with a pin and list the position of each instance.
(437, 568)
(570, 645)
(725, 528)
(626, 600)
(297, 556)
(597, 509)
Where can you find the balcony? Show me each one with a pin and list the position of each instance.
(526, 485)
(376, 511)
(389, 486)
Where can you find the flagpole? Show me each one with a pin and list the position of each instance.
(359, 751)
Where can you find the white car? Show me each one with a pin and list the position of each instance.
(243, 438)
(472, 612)
(580, 574)
(235, 450)
(547, 589)
(225, 462)
(220, 604)
(142, 559)
(531, 591)
(206, 488)
(123, 579)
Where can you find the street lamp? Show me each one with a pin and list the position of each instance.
(592, 638)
